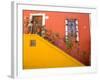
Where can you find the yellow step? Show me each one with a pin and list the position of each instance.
(44, 54)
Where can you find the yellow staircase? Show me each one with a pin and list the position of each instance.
(44, 54)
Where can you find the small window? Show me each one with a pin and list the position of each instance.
(32, 43)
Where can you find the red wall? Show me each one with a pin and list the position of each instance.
(56, 23)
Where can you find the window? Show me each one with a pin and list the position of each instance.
(72, 29)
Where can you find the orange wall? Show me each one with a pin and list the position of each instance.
(56, 23)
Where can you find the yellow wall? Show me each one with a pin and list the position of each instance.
(44, 54)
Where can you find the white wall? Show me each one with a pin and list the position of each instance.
(5, 41)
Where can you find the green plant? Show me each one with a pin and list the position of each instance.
(68, 43)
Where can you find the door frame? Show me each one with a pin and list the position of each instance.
(39, 14)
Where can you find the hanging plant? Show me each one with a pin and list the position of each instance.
(68, 43)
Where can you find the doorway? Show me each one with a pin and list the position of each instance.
(37, 23)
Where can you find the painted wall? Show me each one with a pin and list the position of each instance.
(57, 58)
(56, 23)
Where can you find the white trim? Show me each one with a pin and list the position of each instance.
(77, 29)
(66, 28)
(77, 38)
